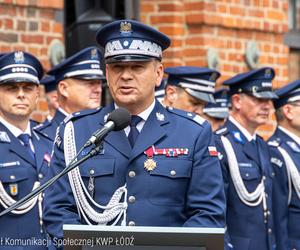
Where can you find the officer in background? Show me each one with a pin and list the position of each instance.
(217, 112)
(190, 88)
(79, 80)
(285, 152)
(160, 90)
(50, 84)
(162, 170)
(246, 163)
(25, 155)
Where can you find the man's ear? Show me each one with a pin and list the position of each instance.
(236, 101)
(171, 93)
(159, 73)
(63, 87)
(288, 112)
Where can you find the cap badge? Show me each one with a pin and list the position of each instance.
(268, 73)
(94, 54)
(19, 57)
(125, 28)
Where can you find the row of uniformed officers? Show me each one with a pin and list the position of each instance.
(166, 169)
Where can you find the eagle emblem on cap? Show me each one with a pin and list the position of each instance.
(268, 73)
(19, 57)
(125, 27)
(94, 54)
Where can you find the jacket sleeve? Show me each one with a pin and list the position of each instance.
(59, 204)
(205, 195)
(280, 195)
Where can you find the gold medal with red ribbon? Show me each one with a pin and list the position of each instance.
(151, 164)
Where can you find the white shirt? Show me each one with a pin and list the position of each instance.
(242, 129)
(16, 131)
(144, 115)
(290, 134)
(63, 111)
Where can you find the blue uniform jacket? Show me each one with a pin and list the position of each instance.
(186, 190)
(286, 216)
(48, 128)
(18, 172)
(246, 225)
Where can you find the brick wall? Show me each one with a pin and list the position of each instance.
(31, 25)
(197, 25)
(193, 25)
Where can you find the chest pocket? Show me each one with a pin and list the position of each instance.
(169, 181)
(250, 173)
(97, 167)
(13, 174)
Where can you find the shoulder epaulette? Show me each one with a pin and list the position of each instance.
(82, 113)
(188, 115)
(41, 126)
(274, 143)
(221, 131)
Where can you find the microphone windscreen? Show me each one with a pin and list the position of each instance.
(120, 117)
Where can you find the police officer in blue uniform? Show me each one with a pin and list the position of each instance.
(160, 90)
(285, 152)
(190, 88)
(217, 112)
(79, 79)
(50, 84)
(246, 163)
(162, 170)
(25, 154)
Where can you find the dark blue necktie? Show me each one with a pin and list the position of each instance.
(254, 147)
(25, 139)
(133, 134)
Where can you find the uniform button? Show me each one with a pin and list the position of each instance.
(41, 176)
(267, 195)
(190, 114)
(92, 171)
(131, 199)
(12, 177)
(131, 223)
(131, 174)
(173, 172)
(268, 212)
(269, 230)
(247, 175)
(273, 174)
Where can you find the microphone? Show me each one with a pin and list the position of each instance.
(117, 120)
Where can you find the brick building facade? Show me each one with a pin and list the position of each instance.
(195, 26)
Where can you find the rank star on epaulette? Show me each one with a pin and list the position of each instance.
(293, 146)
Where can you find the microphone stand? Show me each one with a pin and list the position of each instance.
(72, 165)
